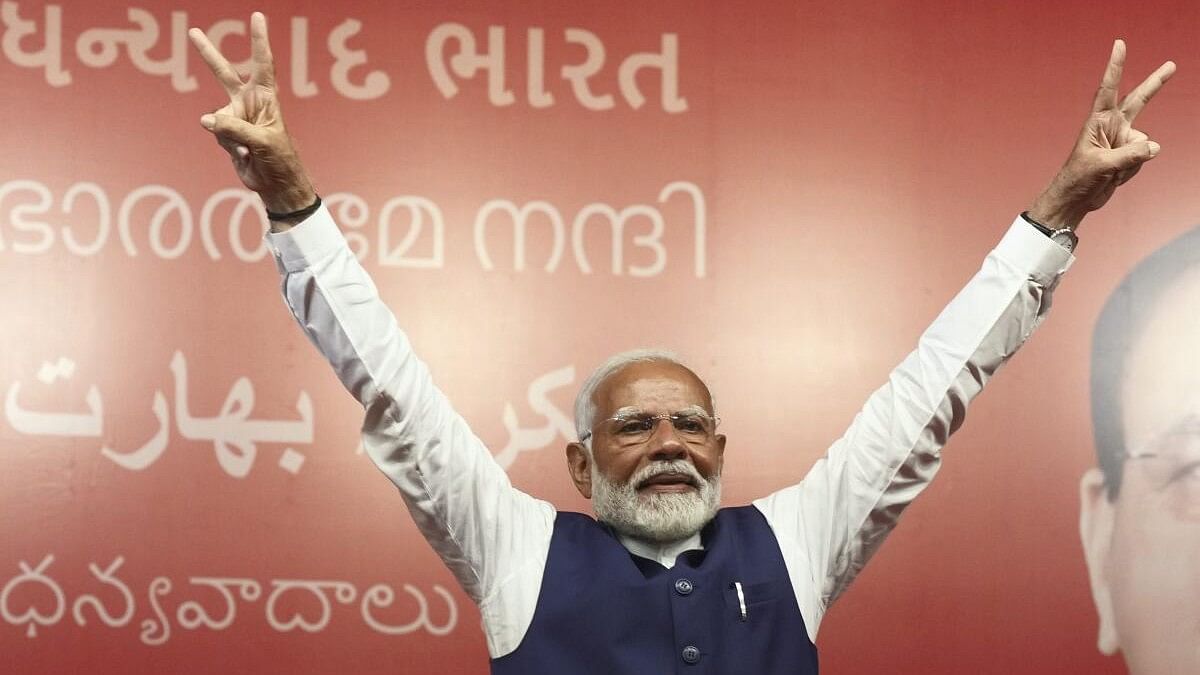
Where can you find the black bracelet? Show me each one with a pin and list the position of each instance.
(1029, 219)
(293, 215)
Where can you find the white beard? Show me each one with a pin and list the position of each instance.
(662, 517)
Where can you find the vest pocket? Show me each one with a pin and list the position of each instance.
(757, 600)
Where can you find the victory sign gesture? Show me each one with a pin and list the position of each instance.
(250, 127)
(1108, 152)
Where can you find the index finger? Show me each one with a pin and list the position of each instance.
(216, 61)
(1140, 96)
(1106, 95)
(260, 50)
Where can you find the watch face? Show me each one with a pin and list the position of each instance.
(1066, 239)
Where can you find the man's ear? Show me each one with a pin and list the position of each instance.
(579, 463)
(1095, 529)
(720, 454)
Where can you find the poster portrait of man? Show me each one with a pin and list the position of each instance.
(1140, 518)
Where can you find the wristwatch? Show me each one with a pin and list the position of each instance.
(1064, 237)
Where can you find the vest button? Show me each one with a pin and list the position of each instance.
(684, 587)
(690, 654)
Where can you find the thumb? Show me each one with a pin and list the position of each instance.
(229, 128)
(1133, 154)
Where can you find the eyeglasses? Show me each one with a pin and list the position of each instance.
(1177, 458)
(634, 428)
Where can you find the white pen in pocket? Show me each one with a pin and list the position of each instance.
(737, 586)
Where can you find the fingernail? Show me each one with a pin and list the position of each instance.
(208, 121)
(1154, 148)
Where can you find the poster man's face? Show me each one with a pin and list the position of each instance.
(1143, 548)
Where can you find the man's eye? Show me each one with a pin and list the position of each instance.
(691, 424)
(1191, 472)
(632, 426)
(1184, 473)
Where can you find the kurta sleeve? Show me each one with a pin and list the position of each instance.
(493, 537)
(830, 523)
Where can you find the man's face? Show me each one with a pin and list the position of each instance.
(1143, 549)
(663, 487)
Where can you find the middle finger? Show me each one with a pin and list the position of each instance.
(1141, 95)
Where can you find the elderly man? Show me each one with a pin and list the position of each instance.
(664, 580)
(1141, 507)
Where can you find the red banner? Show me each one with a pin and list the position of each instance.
(784, 193)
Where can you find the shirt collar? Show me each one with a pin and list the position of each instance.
(663, 554)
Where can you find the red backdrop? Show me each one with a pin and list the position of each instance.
(825, 174)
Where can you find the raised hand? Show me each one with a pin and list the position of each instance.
(250, 127)
(1108, 152)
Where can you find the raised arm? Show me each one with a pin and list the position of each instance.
(493, 537)
(831, 523)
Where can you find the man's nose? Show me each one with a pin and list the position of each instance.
(665, 443)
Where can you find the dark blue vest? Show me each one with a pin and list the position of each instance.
(605, 611)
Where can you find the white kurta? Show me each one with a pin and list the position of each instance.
(495, 538)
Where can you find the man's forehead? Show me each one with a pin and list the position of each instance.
(644, 385)
(1161, 384)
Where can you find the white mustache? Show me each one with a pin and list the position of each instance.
(676, 467)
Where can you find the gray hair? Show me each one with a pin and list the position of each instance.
(585, 403)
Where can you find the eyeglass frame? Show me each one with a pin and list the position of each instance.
(1154, 448)
(656, 418)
